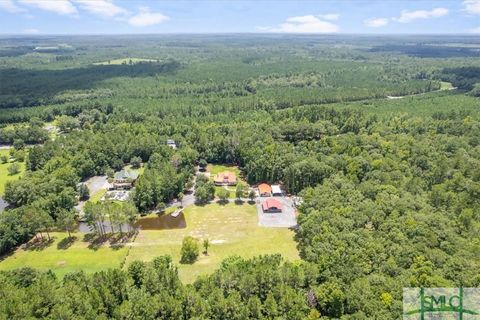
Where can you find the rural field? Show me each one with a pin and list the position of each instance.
(63, 257)
(231, 229)
(363, 149)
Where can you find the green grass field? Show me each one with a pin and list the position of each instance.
(61, 261)
(231, 229)
(446, 86)
(216, 168)
(123, 61)
(4, 176)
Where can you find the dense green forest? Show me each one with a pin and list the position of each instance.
(381, 139)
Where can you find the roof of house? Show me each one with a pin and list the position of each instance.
(125, 174)
(271, 203)
(225, 176)
(264, 188)
(276, 188)
(170, 141)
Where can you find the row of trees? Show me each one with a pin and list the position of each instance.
(110, 217)
(261, 288)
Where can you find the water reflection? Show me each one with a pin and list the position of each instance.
(163, 222)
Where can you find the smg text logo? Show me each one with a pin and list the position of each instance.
(441, 303)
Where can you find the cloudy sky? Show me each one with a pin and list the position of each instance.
(164, 16)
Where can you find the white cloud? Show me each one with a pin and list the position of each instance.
(409, 16)
(10, 6)
(58, 6)
(303, 24)
(329, 16)
(103, 8)
(145, 18)
(376, 22)
(472, 6)
(31, 31)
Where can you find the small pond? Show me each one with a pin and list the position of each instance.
(163, 222)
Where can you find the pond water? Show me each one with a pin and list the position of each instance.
(163, 222)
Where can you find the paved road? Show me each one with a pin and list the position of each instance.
(94, 185)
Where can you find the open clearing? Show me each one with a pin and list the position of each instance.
(4, 176)
(61, 261)
(231, 229)
(123, 61)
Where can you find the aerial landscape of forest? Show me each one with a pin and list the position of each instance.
(236, 176)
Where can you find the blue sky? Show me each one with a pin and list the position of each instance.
(162, 16)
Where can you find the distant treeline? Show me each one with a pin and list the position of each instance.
(42, 85)
(429, 51)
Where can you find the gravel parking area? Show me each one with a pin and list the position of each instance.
(284, 219)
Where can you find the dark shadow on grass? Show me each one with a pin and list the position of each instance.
(95, 241)
(66, 243)
(251, 202)
(38, 244)
(118, 240)
(6, 255)
(223, 202)
(239, 202)
(201, 204)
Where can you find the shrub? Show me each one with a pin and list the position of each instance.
(190, 250)
(136, 162)
(13, 169)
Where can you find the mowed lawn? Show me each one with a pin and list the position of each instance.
(62, 261)
(216, 168)
(231, 229)
(4, 176)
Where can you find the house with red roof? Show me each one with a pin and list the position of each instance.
(272, 206)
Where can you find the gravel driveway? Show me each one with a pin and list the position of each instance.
(284, 219)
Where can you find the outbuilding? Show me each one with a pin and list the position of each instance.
(276, 191)
(264, 190)
(272, 206)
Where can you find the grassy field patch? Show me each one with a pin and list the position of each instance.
(446, 85)
(231, 229)
(62, 258)
(4, 175)
(217, 168)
